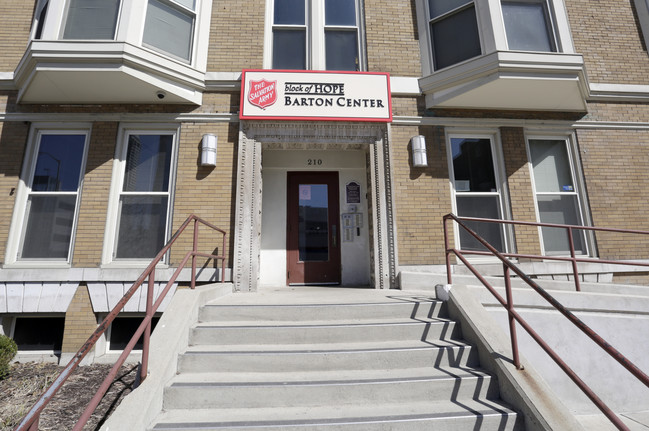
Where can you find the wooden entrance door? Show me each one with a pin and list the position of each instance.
(312, 231)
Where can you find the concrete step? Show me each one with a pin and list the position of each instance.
(319, 332)
(286, 358)
(414, 308)
(191, 392)
(450, 415)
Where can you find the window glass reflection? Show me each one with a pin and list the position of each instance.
(313, 219)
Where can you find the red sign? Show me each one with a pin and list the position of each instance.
(262, 93)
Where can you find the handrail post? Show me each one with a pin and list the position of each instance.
(194, 250)
(449, 278)
(511, 318)
(223, 260)
(575, 271)
(147, 332)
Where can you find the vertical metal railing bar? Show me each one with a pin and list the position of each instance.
(571, 317)
(31, 419)
(511, 318)
(147, 332)
(449, 277)
(194, 250)
(573, 258)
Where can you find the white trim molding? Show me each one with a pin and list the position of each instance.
(619, 92)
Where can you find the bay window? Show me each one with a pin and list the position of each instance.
(314, 34)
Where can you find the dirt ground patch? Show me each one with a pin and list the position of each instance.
(27, 381)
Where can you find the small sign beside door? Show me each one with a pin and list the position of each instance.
(353, 193)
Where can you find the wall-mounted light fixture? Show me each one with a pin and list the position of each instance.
(208, 150)
(419, 159)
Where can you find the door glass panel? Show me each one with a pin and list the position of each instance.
(560, 209)
(551, 166)
(482, 207)
(313, 222)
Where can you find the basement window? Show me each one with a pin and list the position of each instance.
(122, 329)
(39, 334)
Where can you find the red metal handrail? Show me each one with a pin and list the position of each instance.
(30, 421)
(515, 317)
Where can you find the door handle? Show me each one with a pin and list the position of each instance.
(333, 233)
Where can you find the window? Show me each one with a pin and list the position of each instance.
(91, 19)
(557, 194)
(476, 189)
(122, 330)
(51, 196)
(453, 31)
(139, 216)
(169, 27)
(38, 334)
(300, 28)
(528, 26)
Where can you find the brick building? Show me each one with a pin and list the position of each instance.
(536, 110)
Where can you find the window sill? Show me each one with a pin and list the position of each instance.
(510, 80)
(94, 72)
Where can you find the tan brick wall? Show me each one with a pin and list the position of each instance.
(616, 163)
(94, 198)
(15, 24)
(392, 37)
(627, 112)
(639, 278)
(408, 106)
(13, 139)
(521, 195)
(606, 33)
(421, 196)
(205, 191)
(236, 35)
(80, 321)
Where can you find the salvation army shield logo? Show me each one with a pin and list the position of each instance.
(262, 93)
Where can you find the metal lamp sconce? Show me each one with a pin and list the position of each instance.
(208, 150)
(419, 159)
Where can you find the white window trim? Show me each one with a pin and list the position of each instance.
(501, 182)
(315, 28)
(491, 28)
(569, 139)
(24, 187)
(116, 184)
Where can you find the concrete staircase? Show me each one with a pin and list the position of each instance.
(329, 358)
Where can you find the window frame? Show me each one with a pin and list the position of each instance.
(315, 34)
(64, 21)
(500, 180)
(185, 10)
(116, 191)
(549, 22)
(578, 184)
(30, 353)
(24, 191)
